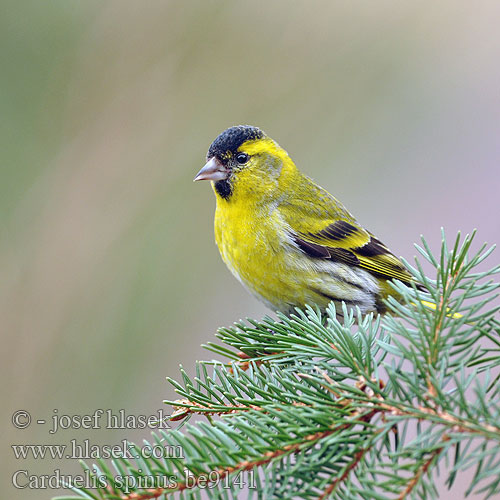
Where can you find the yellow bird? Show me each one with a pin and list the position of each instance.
(286, 239)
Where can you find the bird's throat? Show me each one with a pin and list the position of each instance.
(223, 188)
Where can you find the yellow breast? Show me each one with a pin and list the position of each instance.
(257, 249)
(249, 245)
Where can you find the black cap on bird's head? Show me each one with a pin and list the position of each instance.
(231, 139)
(223, 153)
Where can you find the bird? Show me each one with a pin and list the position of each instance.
(286, 239)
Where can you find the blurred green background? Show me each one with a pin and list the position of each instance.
(109, 273)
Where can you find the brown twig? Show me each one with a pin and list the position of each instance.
(183, 411)
(352, 465)
(246, 360)
(456, 424)
(422, 470)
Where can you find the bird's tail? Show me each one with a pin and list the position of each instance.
(433, 307)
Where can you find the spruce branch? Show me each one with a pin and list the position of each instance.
(314, 407)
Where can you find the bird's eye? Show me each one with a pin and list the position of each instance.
(241, 158)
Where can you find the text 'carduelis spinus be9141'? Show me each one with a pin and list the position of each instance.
(286, 239)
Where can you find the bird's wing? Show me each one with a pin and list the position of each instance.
(322, 235)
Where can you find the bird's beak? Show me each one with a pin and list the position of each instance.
(212, 171)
